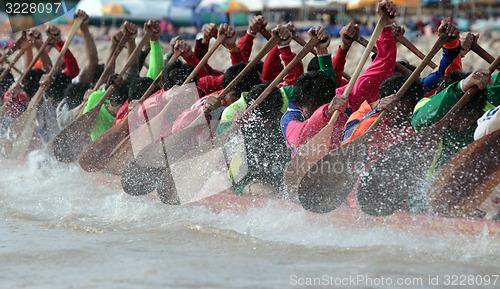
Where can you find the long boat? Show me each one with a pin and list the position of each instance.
(346, 217)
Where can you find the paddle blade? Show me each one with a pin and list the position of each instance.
(97, 154)
(19, 135)
(71, 141)
(468, 178)
(200, 177)
(120, 156)
(326, 185)
(402, 170)
(149, 125)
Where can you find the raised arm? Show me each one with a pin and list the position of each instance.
(35, 37)
(156, 63)
(71, 65)
(230, 44)
(88, 72)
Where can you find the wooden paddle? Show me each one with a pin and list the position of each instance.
(17, 86)
(8, 62)
(97, 154)
(175, 142)
(401, 68)
(386, 186)
(467, 179)
(482, 53)
(326, 184)
(408, 44)
(14, 61)
(219, 141)
(319, 145)
(139, 179)
(131, 180)
(72, 139)
(302, 43)
(24, 126)
(17, 45)
(126, 32)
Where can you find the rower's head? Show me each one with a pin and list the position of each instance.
(6, 82)
(138, 87)
(312, 90)
(55, 92)
(404, 107)
(313, 64)
(469, 114)
(176, 73)
(251, 79)
(32, 81)
(269, 110)
(119, 96)
(451, 78)
(74, 93)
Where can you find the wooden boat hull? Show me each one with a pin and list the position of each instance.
(346, 217)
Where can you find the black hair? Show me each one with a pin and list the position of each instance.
(6, 82)
(270, 107)
(138, 87)
(31, 82)
(313, 64)
(167, 59)
(392, 84)
(314, 89)
(176, 73)
(246, 83)
(74, 93)
(120, 93)
(58, 86)
(405, 64)
(451, 78)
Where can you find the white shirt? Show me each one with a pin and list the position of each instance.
(488, 123)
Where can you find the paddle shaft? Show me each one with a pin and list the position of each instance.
(30, 65)
(303, 52)
(205, 58)
(483, 53)
(272, 41)
(361, 40)
(24, 126)
(112, 59)
(135, 53)
(453, 112)
(412, 78)
(302, 43)
(308, 153)
(57, 64)
(14, 61)
(408, 44)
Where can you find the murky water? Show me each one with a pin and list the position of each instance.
(64, 228)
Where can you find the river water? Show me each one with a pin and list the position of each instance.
(64, 228)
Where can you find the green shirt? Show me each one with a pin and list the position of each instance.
(241, 104)
(104, 119)
(156, 63)
(430, 110)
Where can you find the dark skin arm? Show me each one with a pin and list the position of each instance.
(88, 71)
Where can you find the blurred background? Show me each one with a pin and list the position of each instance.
(186, 17)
